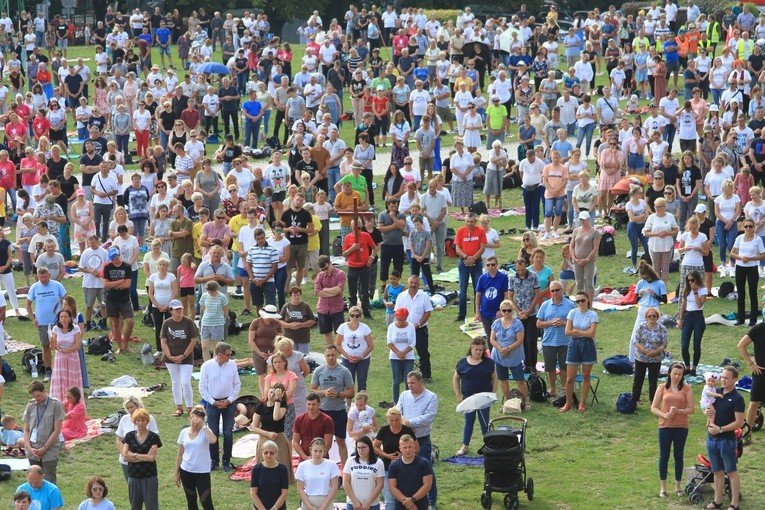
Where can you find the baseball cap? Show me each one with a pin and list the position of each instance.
(700, 209)
(175, 304)
(401, 313)
(584, 215)
(114, 252)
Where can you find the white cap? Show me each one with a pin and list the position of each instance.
(584, 215)
(700, 209)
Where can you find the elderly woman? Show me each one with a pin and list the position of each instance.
(178, 337)
(192, 465)
(672, 404)
(208, 183)
(400, 131)
(262, 334)
(96, 492)
(131, 405)
(661, 229)
(475, 373)
(317, 478)
(585, 242)
(297, 364)
(139, 449)
(650, 343)
(462, 168)
(495, 172)
(355, 344)
(269, 480)
(268, 422)
(651, 292)
(386, 445)
(163, 288)
(747, 251)
(581, 324)
(507, 336)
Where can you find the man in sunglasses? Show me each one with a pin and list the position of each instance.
(551, 319)
(490, 291)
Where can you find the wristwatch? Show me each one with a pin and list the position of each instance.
(414, 500)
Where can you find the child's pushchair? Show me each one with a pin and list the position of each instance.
(703, 474)
(504, 463)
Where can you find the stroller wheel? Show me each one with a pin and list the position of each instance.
(530, 488)
(486, 501)
(688, 489)
(758, 421)
(511, 503)
(695, 498)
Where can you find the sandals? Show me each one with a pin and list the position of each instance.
(679, 494)
(566, 408)
(713, 506)
(663, 494)
(581, 408)
(178, 413)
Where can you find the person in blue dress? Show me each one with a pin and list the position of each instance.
(581, 324)
(507, 341)
(474, 374)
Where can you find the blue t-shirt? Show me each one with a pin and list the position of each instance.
(555, 336)
(47, 300)
(657, 287)
(393, 293)
(45, 498)
(670, 56)
(421, 73)
(146, 37)
(163, 35)
(253, 108)
(572, 51)
(564, 148)
(581, 320)
(475, 378)
(544, 277)
(493, 290)
(506, 337)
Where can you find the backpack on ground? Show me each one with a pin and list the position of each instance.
(560, 399)
(9, 374)
(618, 365)
(625, 403)
(273, 142)
(30, 357)
(607, 246)
(449, 248)
(113, 420)
(99, 346)
(147, 320)
(537, 389)
(478, 208)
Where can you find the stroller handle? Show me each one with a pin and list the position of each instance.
(494, 422)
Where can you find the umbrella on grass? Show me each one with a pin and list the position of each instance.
(213, 68)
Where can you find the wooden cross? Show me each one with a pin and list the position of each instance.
(356, 215)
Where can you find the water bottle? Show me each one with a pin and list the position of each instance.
(33, 364)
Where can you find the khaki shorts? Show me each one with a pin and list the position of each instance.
(93, 296)
(298, 254)
(445, 113)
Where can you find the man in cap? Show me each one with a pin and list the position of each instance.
(117, 277)
(46, 294)
(497, 122)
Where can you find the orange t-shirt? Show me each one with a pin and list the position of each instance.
(470, 241)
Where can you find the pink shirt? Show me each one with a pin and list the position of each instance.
(329, 305)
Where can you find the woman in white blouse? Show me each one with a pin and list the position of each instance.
(747, 251)
(661, 229)
(462, 166)
(727, 211)
(317, 478)
(693, 246)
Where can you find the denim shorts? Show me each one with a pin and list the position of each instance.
(554, 206)
(581, 351)
(722, 454)
(503, 373)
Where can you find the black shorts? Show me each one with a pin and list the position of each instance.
(328, 323)
(187, 291)
(340, 419)
(117, 307)
(758, 388)
(708, 263)
(278, 196)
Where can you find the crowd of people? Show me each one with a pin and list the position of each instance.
(250, 219)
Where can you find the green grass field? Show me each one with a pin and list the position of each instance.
(599, 460)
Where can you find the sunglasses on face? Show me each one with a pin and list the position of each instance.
(580, 301)
(555, 290)
(490, 265)
(355, 316)
(507, 310)
(748, 226)
(652, 316)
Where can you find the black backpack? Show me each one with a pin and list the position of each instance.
(537, 389)
(626, 403)
(9, 374)
(99, 346)
(30, 355)
(337, 247)
(607, 246)
(478, 208)
(560, 399)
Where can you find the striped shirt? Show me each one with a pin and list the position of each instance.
(213, 315)
(261, 259)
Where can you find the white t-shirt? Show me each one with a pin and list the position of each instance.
(317, 478)
(693, 258)
(686, 125)
(196, 452)
(756, 213)
(364, 477)
(715, 180)
(491, 237)
(213, 103)
(362, 418)
(142, 120)
(163, 289)
(280, 246)
(420, 100)
(401, 338)
(354, 342)
(636, 210)
(655, 224)
(246, 238)
(278, 176)
(127, 247)
(727, 206)
(104, 185)
(93, 259)
(748, 249)
(243, 180)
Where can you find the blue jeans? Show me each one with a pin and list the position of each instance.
(674, 439)
(280, 279)
(333, 176)
(693, 322)
(587, 131)
(241, 82)
(390, 501)
(467, 272)
(122, 144)
(726, 238)
(635, 235)
(251, 131)
(554, 206)
(417, 119)
(425, 452)
(359, 370)
(266, 292)
(571, 215)
(722, 453)
(349, 506)
(213, 421)
(483, 421)
(669, 136)
(531, 201)
(716, 95)
(399, 368)
(266, 118)
(163, 139)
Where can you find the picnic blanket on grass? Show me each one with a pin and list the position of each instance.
(13, 345)
(117, 392)
(473, 329)
(94, 430)
(493, 213)
(450, 276)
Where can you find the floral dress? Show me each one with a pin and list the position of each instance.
(101, 100)
(83, 214)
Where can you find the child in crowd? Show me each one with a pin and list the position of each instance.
(10, 434)
(709, 393)
(420, 243)
(213, 307)
(186, 276)
(744, 181)
(390, 293)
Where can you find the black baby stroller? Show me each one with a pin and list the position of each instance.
(703, 474)
(504, 464)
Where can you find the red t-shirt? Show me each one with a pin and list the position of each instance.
(32, 178)
(24, 112)
(380, 103)
(7, 175)
(311, 429)
(40, 126)
(14, 130)
(470, 241)
(359, 258)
